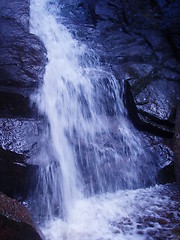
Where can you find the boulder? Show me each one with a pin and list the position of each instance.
(15, 221)
(155, 101)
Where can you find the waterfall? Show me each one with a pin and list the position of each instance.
(87, 146)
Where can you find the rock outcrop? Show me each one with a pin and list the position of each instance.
(15, 221)
(139, 41)
(22, 59)
(22, 65)
(139, 52)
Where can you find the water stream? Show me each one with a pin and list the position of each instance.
(89, 151)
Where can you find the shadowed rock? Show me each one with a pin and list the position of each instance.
(15, 221)
(17, 178)
(22, 60)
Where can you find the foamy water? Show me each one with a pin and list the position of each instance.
(151, 213)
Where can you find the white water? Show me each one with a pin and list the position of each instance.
(140, 214)
(83, 151)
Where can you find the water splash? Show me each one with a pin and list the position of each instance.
(88, 145)
(142, 214)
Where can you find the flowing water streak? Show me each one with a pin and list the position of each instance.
(64, 83)
(72, 100)
(52, 100)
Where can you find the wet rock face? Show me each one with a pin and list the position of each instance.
(17, 178)
(22, 59)
(18, 141)
(155, 103)
(22, 62)
(14, 132)
(140, 42)
(139, 51)
(15, 221)
(22, 65)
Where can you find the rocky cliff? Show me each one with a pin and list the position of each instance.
(22, 61)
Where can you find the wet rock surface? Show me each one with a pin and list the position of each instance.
(139, 41)
(14, 132)
(22, 62)
(15, 221)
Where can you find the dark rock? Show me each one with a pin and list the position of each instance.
(177, 147)
(163, 149)
(17, 178)
(156, 102)
(166, 174)
(123, 47)
(15, 221)
(17, 11)
(22, 60)
(158, 44)
(22, 66)
(14, 104)
(136, 46)
(139, 41)
(171, 24)
(144, 121)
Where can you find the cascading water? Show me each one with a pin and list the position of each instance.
(88, 146)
